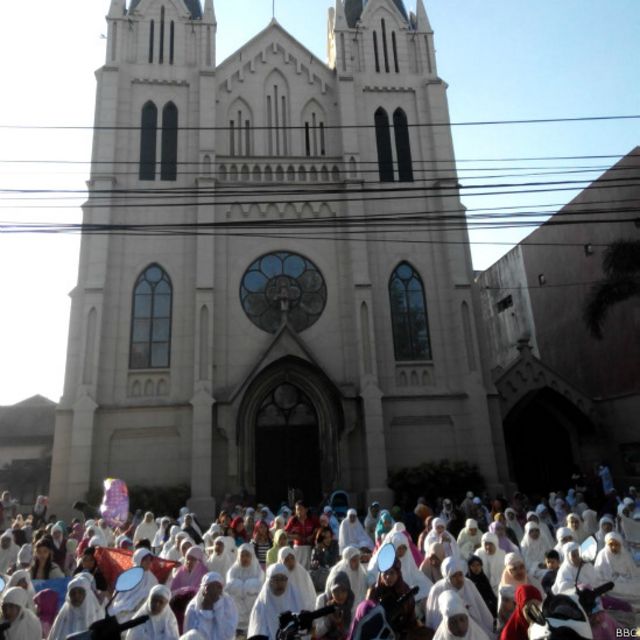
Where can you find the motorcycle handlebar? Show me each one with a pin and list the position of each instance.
(125, 626)
(603, 588)
(404, 597)
(107, 629)
(292, 622)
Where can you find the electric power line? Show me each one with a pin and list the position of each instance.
(473, 123)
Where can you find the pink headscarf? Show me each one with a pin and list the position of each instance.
(185, 579)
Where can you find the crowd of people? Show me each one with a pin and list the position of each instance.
(475, 568)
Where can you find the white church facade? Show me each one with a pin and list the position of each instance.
(256, 319)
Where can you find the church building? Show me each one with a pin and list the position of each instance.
(272, 294)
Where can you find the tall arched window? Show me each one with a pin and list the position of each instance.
(403, 146)
(151, 320)
(169, 168)
(409, 314)
(148, 133)
(383, 140)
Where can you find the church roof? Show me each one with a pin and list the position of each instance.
(32, 418)
(194, 7)
(353, 10)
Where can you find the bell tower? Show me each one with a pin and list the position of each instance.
(154, 130)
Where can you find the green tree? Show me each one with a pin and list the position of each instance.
(621, 267)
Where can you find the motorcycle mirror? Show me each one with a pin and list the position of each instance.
(386, 558)
(3, 584)
(534, 612)
(129, 579)
(589, 549)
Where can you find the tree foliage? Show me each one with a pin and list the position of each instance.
(621, 266)
(434, 480)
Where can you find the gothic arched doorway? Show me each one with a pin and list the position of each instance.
(289, 423)
(286, 444)
(541, 435)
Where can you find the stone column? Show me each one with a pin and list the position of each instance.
(375, 446)
(202, 502)
(80, 450)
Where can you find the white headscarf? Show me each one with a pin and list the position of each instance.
(253, 571)
(218, 623)
(25, 555)
(265, 614)
(72, 619)
(563, 532)
(590, 522)
(163, 626)
(568, 571)
(450, 604)
(145, 530)
(410, 572)
(158, 538)
(468, 543)
(221, 563)
(358, 578)
(299, 580)
(475, 605)
(173, 551)
(127, 603)
(16, 578)
(447, 540)
(492, 565)
(544, 523)
(513, 524)
(10, 555)
(579, 534)
(26, 626)
(533, 550)
(616, 566)
(352, 534)
(244, 584)
(600, 534)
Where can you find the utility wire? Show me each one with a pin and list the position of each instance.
(473, 123)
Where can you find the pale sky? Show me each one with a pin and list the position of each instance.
(502, 59)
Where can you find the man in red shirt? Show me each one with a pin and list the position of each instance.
(302, 529)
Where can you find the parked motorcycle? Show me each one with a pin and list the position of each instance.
(566, 616)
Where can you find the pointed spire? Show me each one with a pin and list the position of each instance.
(340, 20)
(423, 24)
(117, 9)
(353, 11)
(209, 12)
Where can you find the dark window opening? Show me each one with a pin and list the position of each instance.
(322, 147)
(161, 47)
(172, 38)
(409, 314)
(385, 50)
(505, 303)
(148, 141)
(403, 146)
(307, 139)
(376, 55)
(152, 27)
(169, 167)
(383, 140)
(394, 44)
(150, 345)
(232, 137)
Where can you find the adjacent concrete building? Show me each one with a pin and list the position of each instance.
(576, 396)
(26, 442)
(269, 333)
